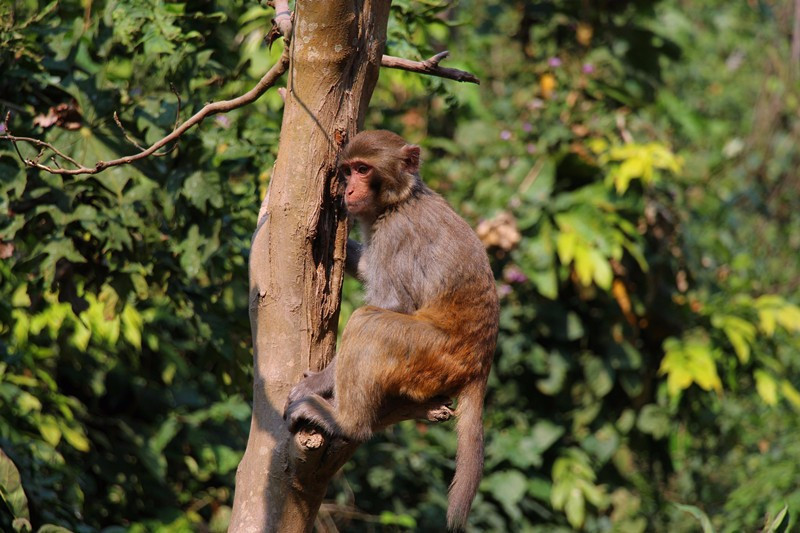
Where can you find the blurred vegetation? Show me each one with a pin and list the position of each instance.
(630, 165)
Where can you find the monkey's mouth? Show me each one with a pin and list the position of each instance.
(355, 206)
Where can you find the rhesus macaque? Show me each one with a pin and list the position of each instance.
(429, 328)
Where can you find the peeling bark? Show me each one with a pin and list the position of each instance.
(297, 259)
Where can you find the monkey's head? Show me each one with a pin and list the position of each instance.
(381, 170)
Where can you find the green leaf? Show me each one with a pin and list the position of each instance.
(11, 489)
(778, 523)
(584, 268)
(20, 296)
(557, 373)
(27, 402)
(507, 487)
(201, 188)
(76, 438)
(389, 518)
(575, 508)
(701, 517)
(689, 361)
(790, 393)
(740, 333)
(50, 528)
(573, 484)
(23, 525)
(565, 246)
(49, 428)
(56, 250)
(601, 269)
(599, 376)
(132, 326)
(545, 433)
(767, 387)
(654, 420)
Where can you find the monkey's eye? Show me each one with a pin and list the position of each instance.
(362, 169)
(346, 170)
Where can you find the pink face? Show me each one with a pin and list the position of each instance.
(358, 196)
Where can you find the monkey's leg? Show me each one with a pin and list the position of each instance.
(377, 348)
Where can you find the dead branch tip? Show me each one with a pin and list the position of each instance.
(430, 67)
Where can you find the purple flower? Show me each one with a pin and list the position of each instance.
(531, 148)
(513, 274)
(504, 290)
(554, 62)
(527, 127)
(536, 103)
(2, 128)
(588, 68)
(223, 121)
(505, 135)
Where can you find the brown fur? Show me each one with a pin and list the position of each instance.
(430, 326)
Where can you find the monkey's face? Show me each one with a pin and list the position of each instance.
(360, 195)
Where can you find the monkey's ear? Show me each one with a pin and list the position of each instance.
(411, 158)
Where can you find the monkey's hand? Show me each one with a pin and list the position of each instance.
(313, 409)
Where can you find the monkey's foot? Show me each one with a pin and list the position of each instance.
(319, 383)
(313, 409)
(440, 409)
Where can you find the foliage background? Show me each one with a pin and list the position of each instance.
(630, 165)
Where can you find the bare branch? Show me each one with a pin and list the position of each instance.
(35, 142)
(213, 108)
(283, 18)
(281, 24)
(430, 66)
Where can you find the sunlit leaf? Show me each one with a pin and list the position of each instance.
(790, 393)
(11, 490)
(76, 437)
(689, 361)
(50, 430)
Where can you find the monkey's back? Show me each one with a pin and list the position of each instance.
(435, 268)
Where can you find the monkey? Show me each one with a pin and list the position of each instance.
(429, 326)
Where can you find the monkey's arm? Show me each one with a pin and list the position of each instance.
(353, 259)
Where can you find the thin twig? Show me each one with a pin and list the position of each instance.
(177, 111)
(430, 66)
(39, 155)
(213, 108)
(125, 134)
(140, 147)
(795, 66)
(6, 131)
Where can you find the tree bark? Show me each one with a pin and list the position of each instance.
(297, 259)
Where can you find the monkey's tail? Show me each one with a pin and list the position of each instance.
(469, 455)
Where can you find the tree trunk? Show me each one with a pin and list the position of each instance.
(297, 258)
